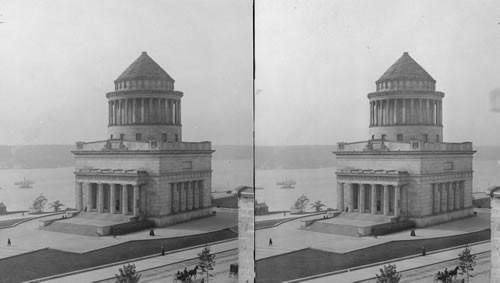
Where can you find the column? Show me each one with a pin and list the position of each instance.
(119, 112)
(386, 199)
(361, 205)
(109, 113)
(340, 196)
(175, 198)
(179, 116)
(169, 111)
(196, 198)
(182, 197)
(412, 111)
(136, 201)
(397, 197)
(126, 112)
(150, 106)
(371, 115)
(89, 196)
(462, 194)
(100, 197)
(457, 195)
(134, 110)
(350, 200)
(201, 188)
(373, 199)
(112, 197)
(124, 199)
(142, 110)
(189, 196)
(79, 196)
(444, 197)
(451, 194)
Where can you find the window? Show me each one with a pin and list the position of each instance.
(187, 165)
(383, 137)
(373, 137)
(164, 137)
(176, 137)
(122, 136)
(138, 137)
(426, 138)
(111, 137)
(400, 137)
(437, 138)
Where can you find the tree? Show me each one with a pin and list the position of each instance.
(467, 261)
(39, 203)
(388, 274)
(300, 204)
(128, 274)
(56, 205)
(317, 205)
(207, 261)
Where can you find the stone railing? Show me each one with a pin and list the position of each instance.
(152, 145)
(379, 145)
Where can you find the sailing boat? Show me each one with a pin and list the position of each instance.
(24, 184)
(287, 184)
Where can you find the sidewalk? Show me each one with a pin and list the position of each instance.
(288, 236)
(142, 264)
(402, 265)
(27, 237)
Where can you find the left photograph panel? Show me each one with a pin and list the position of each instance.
(126, 153)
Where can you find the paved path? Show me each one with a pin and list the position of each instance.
(289, 237)
(27, 237)
(144, 264)
(402, 265)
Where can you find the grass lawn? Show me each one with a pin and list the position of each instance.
(50, 262)
(309, 262)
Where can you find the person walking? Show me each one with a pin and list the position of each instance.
(162, 251)
(8, 242)
(270, 242)
(423, 251)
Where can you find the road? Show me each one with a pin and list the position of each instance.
(165, 273)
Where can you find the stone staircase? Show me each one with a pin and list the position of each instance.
(71, 228)
(96, 224)
(349, 224)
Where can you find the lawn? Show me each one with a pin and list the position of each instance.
(309, 262)
(50, 262)
(10, 222)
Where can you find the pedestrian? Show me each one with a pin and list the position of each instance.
(423, 251)
(412, 233)
(375, 234)
(151, 232)
(270, 242)
(8, 242)
(162, 251)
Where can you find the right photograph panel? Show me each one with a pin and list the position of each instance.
(376, 141)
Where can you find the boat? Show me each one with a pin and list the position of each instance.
(287, 183)
(25, 183)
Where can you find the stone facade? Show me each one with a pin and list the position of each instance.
(495, 234)
(405, 170)
(246, 199)
(144, 170)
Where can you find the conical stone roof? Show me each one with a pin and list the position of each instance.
(144, 68)
(406, 68)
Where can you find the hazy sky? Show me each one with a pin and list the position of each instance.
(59, 58)
(318, 60)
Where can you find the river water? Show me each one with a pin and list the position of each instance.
(316, 184)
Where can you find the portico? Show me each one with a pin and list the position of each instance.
(372, 192)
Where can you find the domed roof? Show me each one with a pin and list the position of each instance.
(406, 68)
(144, 68)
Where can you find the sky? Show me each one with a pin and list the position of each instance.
(317, 61)
(60, 58)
